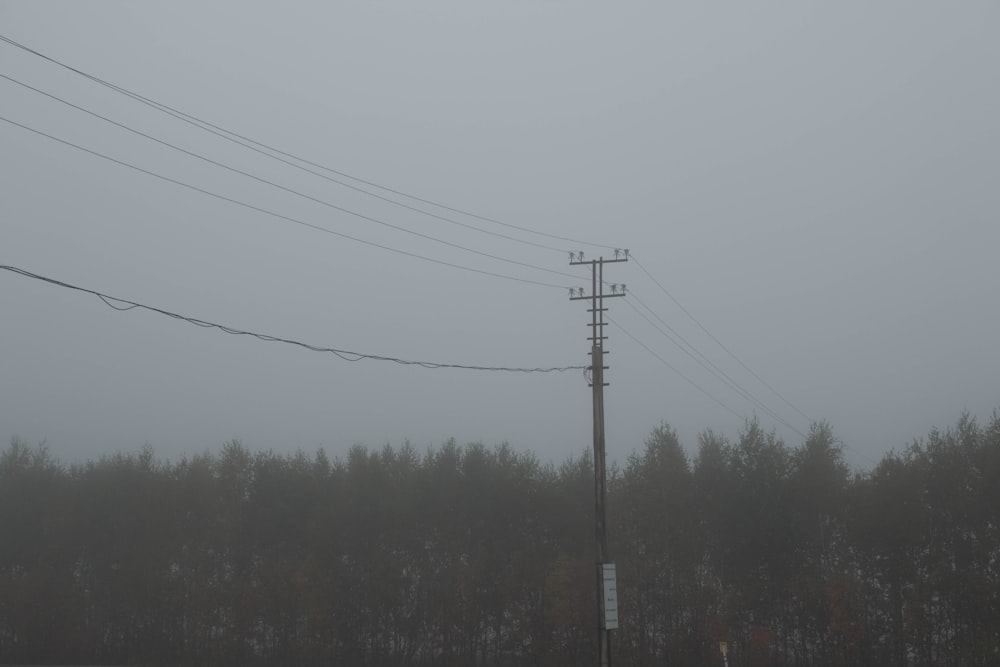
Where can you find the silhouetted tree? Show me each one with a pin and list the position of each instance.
(475, 555)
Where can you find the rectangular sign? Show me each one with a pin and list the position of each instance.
(610, 602)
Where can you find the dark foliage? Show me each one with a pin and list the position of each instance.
(474, 555)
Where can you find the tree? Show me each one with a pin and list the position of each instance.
(653, 507)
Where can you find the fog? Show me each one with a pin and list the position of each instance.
(815, 185)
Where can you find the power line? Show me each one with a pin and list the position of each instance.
(275, 153)
(282, 187)
(719, 343)
(280, 216)
(244, 141)
(323, 229)
(708, 394)
(674, 369)
(292, 164)
(707, 364)
(704, 391)
(347, 355)
(753, 400)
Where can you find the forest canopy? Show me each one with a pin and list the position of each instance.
(466, 555)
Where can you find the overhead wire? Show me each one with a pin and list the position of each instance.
(717, 341)
(706, 363)
(717, 372)
(275, 153)
(728, 351)
(282, 187)
(243, 140)
(675, 370)
(302, 168)
(274, 214)
(346, 355)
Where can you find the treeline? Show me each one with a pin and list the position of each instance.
(469, 555)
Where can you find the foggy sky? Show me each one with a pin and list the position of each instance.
(816, 184)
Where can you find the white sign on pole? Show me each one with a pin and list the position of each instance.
(610, 596)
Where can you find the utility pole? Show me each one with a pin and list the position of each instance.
(607, 593)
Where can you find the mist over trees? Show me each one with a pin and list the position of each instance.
(475, 555)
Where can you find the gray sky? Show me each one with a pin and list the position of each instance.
(815, 183)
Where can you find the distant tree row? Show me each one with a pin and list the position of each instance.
(469, 555)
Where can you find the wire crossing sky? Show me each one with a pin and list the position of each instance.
(276, 153)
(281, 187)
(713, 370)
(120, 304)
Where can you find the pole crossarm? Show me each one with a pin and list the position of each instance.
(598, 261)
(599, 296)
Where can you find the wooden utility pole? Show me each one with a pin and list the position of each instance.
(607, 595)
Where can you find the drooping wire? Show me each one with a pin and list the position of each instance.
(274, 214)
(273, 152)
(284, 188)
(347, 355)
(717, 341)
